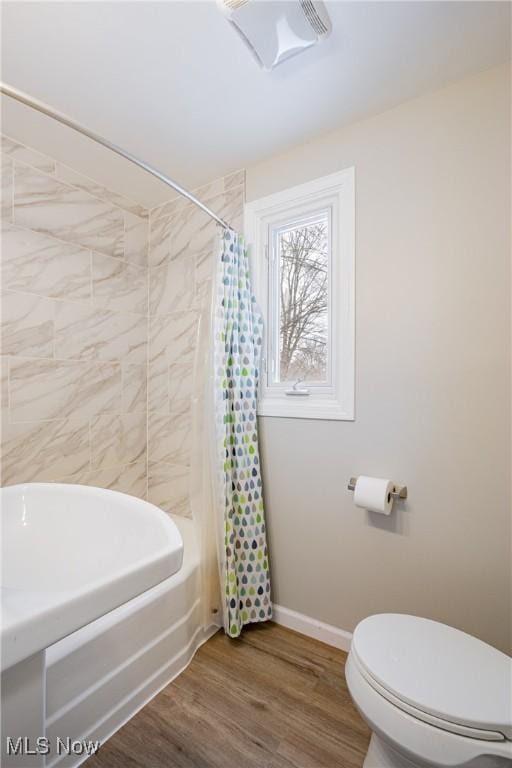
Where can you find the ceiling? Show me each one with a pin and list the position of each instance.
(173, 83)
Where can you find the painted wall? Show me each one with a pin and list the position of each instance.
(432, 375)
(74, 327)
(180, 270)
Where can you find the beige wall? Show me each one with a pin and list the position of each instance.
(180, 270)
(432, 375)
(74, 327)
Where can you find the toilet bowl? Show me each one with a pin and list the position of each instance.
(432, 695)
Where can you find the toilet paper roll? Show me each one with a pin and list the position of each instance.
(374, 494)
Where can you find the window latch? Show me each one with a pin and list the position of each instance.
(298, 391)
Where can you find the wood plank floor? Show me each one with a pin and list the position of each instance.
(271, 699)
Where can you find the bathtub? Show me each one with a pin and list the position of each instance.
(72, 553)
(98, 677)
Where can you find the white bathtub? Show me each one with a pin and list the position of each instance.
(100, 676)
(72, 553)
(82, 643)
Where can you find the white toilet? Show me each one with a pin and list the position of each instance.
(432, 695)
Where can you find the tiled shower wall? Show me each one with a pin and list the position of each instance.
(181, 254)
(84, 301)
(74, 327)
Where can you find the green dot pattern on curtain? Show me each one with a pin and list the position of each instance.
(238, 338)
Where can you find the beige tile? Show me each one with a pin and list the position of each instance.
(131, 479)
(170, 386)
(134, 388)
(235, 179)
(118, 285)
(88, 333)
(44, 389)
(117, 440)
(27, 324)
(158, 383)
(171, 287)
(7, 188)
(204, 193)
(180, 387)
(204, 271)
(17, 151)
(170, 437)
(70, 176)
(170, 207)
(168, 487)
(44, 451)
(173, 338)
(191, 232)
(136, 233)
(186, 233)
(4, 381)
(39, 264)
(46, 205)
(203, 299)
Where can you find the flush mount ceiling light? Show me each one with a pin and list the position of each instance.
(276, 30)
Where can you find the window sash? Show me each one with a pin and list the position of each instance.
(275, 229)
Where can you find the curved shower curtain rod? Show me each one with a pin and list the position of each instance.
(40, 106)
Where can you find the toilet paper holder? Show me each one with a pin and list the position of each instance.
(398, 492)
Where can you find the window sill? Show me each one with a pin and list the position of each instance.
(327, 410)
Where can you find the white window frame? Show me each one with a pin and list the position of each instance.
(336, 192)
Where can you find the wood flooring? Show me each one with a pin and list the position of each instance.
(271, 699)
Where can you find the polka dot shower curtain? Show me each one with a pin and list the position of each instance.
(237, 338)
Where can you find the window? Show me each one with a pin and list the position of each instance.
(301, 245)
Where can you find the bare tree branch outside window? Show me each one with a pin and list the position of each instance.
(303, 285)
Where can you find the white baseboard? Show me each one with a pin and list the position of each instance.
(318, 630)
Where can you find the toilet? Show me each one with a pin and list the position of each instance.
(432, 695)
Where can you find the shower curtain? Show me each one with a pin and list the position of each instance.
(230, 473)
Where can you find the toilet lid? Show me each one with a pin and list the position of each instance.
(437, 670)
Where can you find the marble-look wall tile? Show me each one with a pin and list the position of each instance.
(173, 337)
(45, 450)
(185, 233)
(190, 231)
(204, 193)
(119, 286)
(74, 312)
(204, 267)
(136, 231)
(130, 478)
(171, 287)
(40, 264)
(169, 437)
(134, 378)
(88, 333)
(117, 440)
(70, 176)
(17, 151)
(7, 188)
(158, 383)
(168, 487)
(81, 250)
(203, 296)
(46, 205)
(27, 324)
(4, 382)
(170, 385)
(180, 382)
(40, 390)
